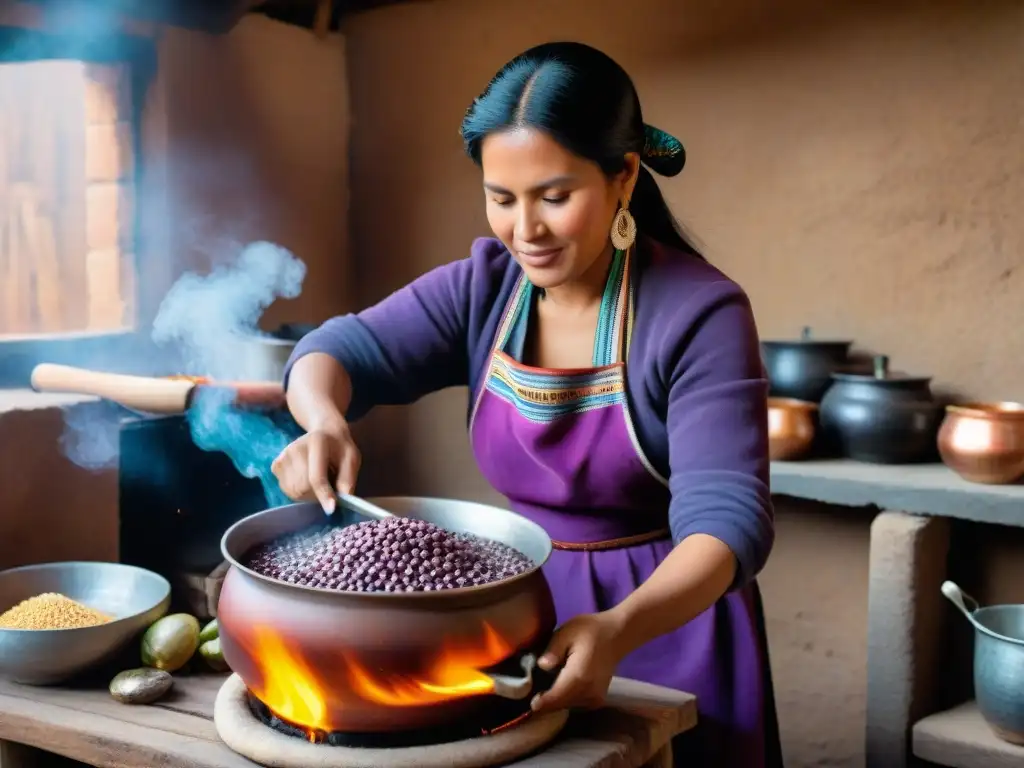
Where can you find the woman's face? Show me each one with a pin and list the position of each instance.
(552, 209)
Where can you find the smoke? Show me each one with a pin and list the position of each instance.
(87, 24)
(201, 324)
(91, 433)
(206, 316)
(250, 439)
(203, 318)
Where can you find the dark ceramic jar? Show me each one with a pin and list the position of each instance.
(882, 417)
(801, 369)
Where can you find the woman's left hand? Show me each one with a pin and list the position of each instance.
(590, 648)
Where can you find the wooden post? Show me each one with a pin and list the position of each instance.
(322, 25)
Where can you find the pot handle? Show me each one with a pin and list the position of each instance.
(534, 680)
(880, 365)
(961, 600)
(544, 680)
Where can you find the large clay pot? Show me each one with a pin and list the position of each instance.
(882, 417)
(801, 369)
(358, 661)
(984, 442)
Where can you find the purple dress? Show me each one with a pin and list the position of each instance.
(568, 451)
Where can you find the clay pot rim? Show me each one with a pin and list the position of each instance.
(994, 410)
(791, 404)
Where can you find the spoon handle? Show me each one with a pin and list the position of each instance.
(967, 604)
(363, 507)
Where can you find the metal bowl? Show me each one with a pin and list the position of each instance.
(133, 596)
(998, 662)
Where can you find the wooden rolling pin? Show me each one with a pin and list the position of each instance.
(149, 394)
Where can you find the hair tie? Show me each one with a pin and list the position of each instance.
(663, 153)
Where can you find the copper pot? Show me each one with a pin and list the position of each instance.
(371, 662)
(984, 442)
(791, 426)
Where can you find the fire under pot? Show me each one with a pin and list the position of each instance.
(371, 678)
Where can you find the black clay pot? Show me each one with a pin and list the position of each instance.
(882, 417)
(802, 369)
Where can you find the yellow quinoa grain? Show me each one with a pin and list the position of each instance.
(51, 611)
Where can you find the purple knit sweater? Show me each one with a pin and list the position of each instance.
(695, 382)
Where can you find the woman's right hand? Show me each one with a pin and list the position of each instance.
(323, 462)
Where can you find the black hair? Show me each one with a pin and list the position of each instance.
(587, 103)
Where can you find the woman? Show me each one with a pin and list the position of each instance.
(617, 397)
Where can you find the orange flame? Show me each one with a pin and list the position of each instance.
(453, 674)
(289, 686)
(294, 692)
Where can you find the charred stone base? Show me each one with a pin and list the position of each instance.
(500, 713)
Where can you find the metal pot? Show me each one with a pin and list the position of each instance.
(801, 369)
(365, 662)
(263, 357)
(882, 418)
(998, 662)
(984, 442)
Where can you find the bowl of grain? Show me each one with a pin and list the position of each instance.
(58, 620)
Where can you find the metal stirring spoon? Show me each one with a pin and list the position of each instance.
(363, 507)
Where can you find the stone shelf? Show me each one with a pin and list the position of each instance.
(959, 738)
(923, 489)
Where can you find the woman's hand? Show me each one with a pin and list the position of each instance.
(320, 463)
(590, 648)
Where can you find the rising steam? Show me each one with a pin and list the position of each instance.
(206, 316)
(202, 321)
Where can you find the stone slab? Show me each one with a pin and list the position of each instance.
(959, 738)
(922, 489)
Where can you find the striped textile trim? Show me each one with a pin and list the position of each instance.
(615, 318)
(516, 307)
(542, 396)
(609, 316)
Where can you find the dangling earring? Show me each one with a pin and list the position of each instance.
(623, 229)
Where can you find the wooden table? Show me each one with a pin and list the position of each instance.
(84, 725)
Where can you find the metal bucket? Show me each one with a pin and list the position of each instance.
(998, 662)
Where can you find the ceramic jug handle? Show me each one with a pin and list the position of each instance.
(960, 599)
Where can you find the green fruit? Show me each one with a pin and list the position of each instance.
(211, 652)
(140, 686)
(210, 632)
(170, 642)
